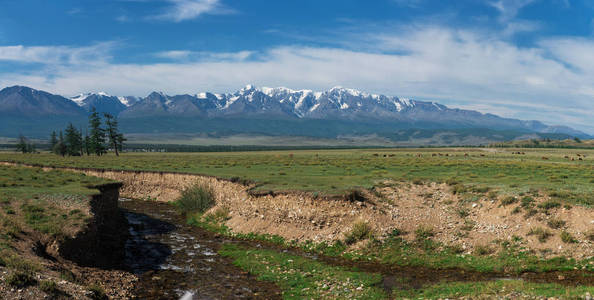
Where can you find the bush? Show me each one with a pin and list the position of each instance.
(542, 234)
(556, 223)
(459, 189)
(97, 293)
(49, 287)
(20, 279)
(360, 231)
(549, 205)
(482, 250)
(424, 232)
(567, 238)
(354, 196)
(527, 201)
(196, 198)
(508, 200)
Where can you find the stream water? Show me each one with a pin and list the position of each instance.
(178, 261)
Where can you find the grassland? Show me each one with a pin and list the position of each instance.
(38, 206)
(337, 171)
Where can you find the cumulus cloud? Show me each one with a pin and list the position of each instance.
(182, 10)
(550, 81)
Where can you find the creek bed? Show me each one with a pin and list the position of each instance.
(175, 260)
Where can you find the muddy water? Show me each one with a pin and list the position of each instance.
(174, 260)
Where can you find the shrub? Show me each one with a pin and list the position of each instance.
(516, 210)
(21, 279)
(354, 196)
(482, 250)
(196, 198)
(452, 181)
(508, 200)
(567, 238)
(424, 232)
(530, 213)
(463, 212)
(556, 223)
(359, 231)
(542, 234)
(395, 233)
(481, 189)
(458, 189)
(492, 195)
(527, 201)
(49, 287)
(456, 249)
(549, 205)
(96, 292)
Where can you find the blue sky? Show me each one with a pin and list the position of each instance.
(528, 59)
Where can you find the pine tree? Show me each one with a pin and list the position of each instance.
(53, 140)
(97, 136)
(73, 141)
(116, 139)
(60, 147)
(87, 143)
(22, 145)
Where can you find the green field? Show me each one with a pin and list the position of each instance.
(333, 172)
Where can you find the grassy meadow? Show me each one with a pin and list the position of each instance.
(38, 205)
(334, 172)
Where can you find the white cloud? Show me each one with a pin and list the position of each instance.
(509, 8)
(182, 10)
(551, 81)
(57, 55)
(185, 55)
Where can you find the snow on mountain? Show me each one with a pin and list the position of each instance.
(337, 103)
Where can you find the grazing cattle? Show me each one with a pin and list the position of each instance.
(578, 155)
(447, 154)
(572, 159)
(419, 155)
(580, 158)
(433, 154)
(466, 154)
(482, 155)
(545, 158)
(566, 156)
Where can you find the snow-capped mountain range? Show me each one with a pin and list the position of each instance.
(337, 102)
(358, 111)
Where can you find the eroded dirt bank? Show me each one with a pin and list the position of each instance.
(401, 205)
(90, 255)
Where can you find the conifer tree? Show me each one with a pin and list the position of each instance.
(73, 141)
(60, 147)
(22, 145)
(116, 139)
(97, 136)
(53, 140)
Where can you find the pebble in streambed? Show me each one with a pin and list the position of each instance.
(177, 261)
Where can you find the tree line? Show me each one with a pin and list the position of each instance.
(97, 139)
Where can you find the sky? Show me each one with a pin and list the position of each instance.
(526, 59)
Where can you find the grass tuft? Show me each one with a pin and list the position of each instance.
(195, 199)
(567, 238)
(359, 231)
(542, 234)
